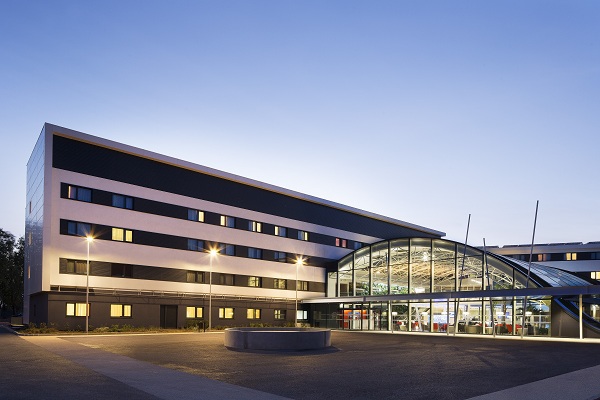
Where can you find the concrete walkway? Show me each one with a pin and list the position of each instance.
(161, 382)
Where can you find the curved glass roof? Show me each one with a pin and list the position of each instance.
(430, 265)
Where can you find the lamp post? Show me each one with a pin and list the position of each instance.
(211, 253)
(299, 262)
(89, 239)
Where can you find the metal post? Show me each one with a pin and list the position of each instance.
(487, 272)
(529, 270)
(296, 314)
(462, 270)
(580, 316)
(210, 293)
(87, 288)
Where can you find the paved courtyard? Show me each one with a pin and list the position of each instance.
(361, 365)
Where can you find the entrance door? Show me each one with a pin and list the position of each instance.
(168, 317)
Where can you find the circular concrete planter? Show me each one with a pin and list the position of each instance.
(295, 339)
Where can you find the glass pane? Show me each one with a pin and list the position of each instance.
(399, 266)
(379, 260)
(444, 266)
(420, 265)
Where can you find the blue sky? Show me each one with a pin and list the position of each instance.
(421, 111)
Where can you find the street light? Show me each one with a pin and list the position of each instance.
(212, 253)
(299, 262)
(89, 239)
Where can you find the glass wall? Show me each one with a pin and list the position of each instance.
(423, 265)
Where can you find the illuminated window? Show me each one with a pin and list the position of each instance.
(571, 256)
(194, 312)
(302, 315)
(226, 313)
(196, 215)
(254, 281)
(303, 235)
(280, 231)
(341, 242)
(279, 283)
(120, 310)
(79, 193)
(195, 245)
(254, 226)
(122, 201)
(76, 310)
(543, 257)
(254, 253)
(195, 276)
(227, 221)
(280, 314)
(122, 235)
(78, 228)
(302, 285)
(596, 275)
(253, 313)
(280, 256)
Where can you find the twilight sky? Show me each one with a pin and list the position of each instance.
(420, 111)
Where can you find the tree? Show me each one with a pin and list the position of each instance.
(11, 272)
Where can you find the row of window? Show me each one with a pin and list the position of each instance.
(126, 271)
(121, 201)
(572, 256)
(126, 235)
(124, 311)
(252, 281)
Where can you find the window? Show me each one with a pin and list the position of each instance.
(254, 253)
(121, 270)
(122, 201)
(120, 310)
(226, 279)
(226, 313)
(303, 235)
(280, 314)
(341, 242)
(78, 228)
(227, 221)
(302, 315)
(595, 256)
(195, 245)
(122, 235)
(280, 256)
(79, 193)
(254, 281)
(227, 249)
(195, 276)
(543, 257)
(279, 283)
(571, 256)
(280, 231)
(302, 285)
(595, 275)
(357, 245)
(253, 313)
(76, 267)
(194, 312)
(76, 310)
(254, 226)
(196, 215)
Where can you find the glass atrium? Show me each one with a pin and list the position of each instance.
(437, 285)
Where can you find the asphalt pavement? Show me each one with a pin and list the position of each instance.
(360, 365)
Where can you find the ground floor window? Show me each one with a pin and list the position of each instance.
(120, 310)
(194, 312)
(280, 314)
(254, 313)
(76, 310)
(226, 313)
